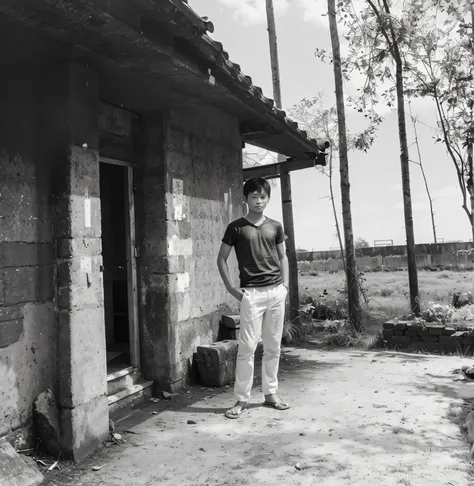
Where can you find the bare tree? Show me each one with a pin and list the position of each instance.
(422, 169)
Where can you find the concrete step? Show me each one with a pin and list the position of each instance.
(130, 395)
(121, 379)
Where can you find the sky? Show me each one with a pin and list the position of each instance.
(376, 195)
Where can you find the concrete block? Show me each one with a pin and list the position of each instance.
(11, 313)
(82, 346)
(70, 247)
(387, 332)
(80, 282)
(448, 331)
(77, 218)
(231, 321)
(83, 171)
(28, 284)
(216, 363)
(389, 325)
(17, 254)
(10, 332)
(84, 427)
(14, 470)
(398, 332)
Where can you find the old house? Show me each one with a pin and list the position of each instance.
(121, 129)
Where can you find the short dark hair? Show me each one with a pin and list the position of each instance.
(257, 184)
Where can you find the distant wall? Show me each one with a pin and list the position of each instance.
(391, 257)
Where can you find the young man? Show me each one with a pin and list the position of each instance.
(263, 266)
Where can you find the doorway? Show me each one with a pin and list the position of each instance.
(119, 265)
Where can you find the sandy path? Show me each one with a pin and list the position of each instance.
(358, 418)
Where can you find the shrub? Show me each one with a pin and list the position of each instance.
(437, 313)
(461, 299)
(386, 291)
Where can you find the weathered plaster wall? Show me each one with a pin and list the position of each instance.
(190, 189)
(27, 316)
(203, 194)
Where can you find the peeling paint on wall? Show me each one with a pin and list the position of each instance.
(180, 246)
(182, 282)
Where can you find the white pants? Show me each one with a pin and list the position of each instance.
(262, 312)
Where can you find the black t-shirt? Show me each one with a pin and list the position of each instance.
(256, 250)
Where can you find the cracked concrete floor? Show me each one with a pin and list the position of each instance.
(358, 418)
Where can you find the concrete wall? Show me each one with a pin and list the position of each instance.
(27, 313)
(397, 250)
(196, 172)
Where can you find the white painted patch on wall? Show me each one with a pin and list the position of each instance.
(87, 211)
(182, 281)
(180, 247)
(86, 264)
(226, 197)
(184, 310)
(230, 204)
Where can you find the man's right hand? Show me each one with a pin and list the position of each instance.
(237, 293)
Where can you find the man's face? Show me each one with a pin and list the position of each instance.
(257, 201)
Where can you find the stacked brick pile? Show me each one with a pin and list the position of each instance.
(429, 337)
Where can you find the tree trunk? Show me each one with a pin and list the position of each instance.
(285, 181)
(351, 273)
(407, 207)
(272, 39)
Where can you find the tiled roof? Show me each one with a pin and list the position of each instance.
(201, 26)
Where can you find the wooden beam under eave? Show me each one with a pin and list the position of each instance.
(273, 171)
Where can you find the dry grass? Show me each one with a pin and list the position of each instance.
(388, 291)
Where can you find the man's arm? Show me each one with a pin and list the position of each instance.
(285, 274)
(224, 253)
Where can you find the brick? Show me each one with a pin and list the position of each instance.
(448, 340)
(10, 332)
(448, 331)
(402, 340)
(433, 347)
(28, 284)
(387, 332)
(415, 339)
(398, 332)
(459, 334)
(436, 330)
(453, 347)
(428, 337)
(411, 332)
(389, 325)
(401, 325)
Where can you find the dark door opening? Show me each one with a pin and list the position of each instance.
(114, 207)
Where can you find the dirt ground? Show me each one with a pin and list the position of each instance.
(358, 418)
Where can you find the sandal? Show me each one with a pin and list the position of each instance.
(232, 414)
(278, 405)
